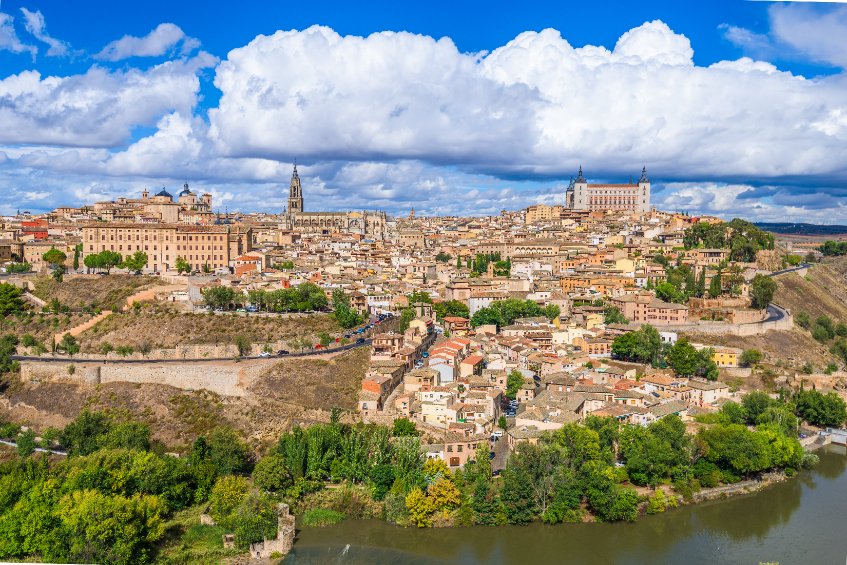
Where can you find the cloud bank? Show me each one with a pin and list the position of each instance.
(397, 120)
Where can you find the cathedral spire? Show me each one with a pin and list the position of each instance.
(295, 193)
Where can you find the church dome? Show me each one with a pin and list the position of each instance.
(164, 193)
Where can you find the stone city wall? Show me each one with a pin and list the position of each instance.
(224, 378)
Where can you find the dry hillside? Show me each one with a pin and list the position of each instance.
(822, 292)
(290, 392)
(794, 347)
(107, 291)
(158, 328)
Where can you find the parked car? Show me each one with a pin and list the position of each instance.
(264, 354)
(497, 434)
(360, 340)
(282, 352)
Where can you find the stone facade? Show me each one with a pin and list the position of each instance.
(284, 537)
(215, 246)
(367, 223)
(630, 197)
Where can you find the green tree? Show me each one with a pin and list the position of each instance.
(454, 308)
(227, 494)
(404, 427)
(111, 529)
(715, 285)
(182, 266)
(69, 344)
(820, 409)
(10, 299)
(224, 450)
(642, 346)
(613, 315)
(135, 262)
(272, 474)
(56, 259)
(26, 443)
(82, 435)
(324, 339)
(762, 289)
(514, 382)
(406, 316)
(750, 357)
(344, 314)
(77, 252)
(442, 257)
(686, 360)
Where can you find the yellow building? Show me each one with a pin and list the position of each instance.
(213, 246)
(726, 356)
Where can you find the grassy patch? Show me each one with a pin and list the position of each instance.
(187, 541)
(199, 411)
(319, 517)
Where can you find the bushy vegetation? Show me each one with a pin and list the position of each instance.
(742, 238)
(645, 346)
(306, 297)
(344, 314)
(109, 499)
(833, 248)
(505, 312)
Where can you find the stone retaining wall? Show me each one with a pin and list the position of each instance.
(226, 378)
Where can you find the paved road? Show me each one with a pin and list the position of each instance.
(310, 353)
(37, 449)
(775, 313)
(791, 270)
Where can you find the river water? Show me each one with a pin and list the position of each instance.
(802, 520)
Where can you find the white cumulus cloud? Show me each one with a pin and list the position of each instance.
(98, 108)
(164, 39)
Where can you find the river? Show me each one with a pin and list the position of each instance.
(802, 520)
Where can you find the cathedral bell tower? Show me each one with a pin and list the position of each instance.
(295, 193)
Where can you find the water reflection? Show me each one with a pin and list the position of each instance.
(797, 521)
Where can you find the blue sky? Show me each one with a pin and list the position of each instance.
(735, 107)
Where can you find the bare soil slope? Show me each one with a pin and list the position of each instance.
(100, 291)
(795, 347)
(169, 329)
(291, 392)
(822, 292)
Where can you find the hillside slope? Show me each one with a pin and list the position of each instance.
(822, 292)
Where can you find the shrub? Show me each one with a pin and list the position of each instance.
(319, 517)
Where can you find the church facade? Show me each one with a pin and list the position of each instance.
(373, 224)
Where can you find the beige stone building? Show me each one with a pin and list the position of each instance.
(367, 223)
(628, 197)
(214, 246)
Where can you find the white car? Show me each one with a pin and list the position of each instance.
(264, 354)
(497, 434)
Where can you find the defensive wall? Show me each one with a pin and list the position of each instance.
(226, 378)
(785, 323)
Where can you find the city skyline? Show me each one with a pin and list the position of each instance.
(444, 118)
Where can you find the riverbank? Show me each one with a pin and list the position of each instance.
(795, 521)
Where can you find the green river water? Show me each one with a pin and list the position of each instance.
(802, 520)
